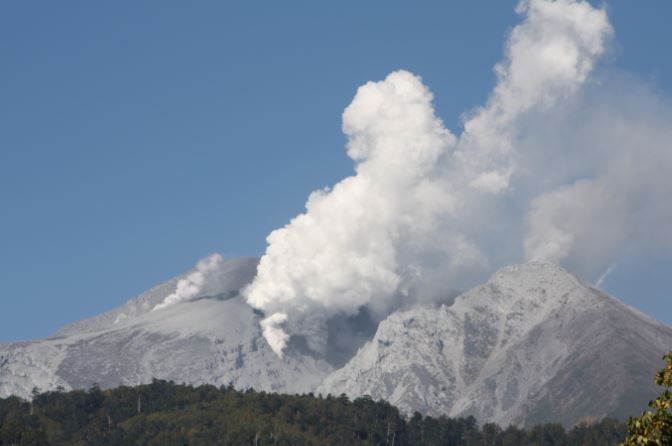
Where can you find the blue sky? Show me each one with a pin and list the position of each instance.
(136, 138)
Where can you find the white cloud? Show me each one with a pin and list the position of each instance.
(619, 204)
(548, 57)
(359, 243)
(426, 209)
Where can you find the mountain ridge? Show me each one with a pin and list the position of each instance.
(510, 338)
(521, 348)
(213, 339)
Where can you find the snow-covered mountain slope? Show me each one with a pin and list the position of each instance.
(533, 344)
(214, 339)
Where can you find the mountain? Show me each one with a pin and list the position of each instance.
(533, 344)
(215, 339)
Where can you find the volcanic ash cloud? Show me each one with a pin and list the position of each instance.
(358, 243)
(554, 166)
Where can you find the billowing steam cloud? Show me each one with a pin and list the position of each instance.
(548, 57)
(360, 242)
(425, 206)
(194, 284)
(623, 206)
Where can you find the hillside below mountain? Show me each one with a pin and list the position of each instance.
(166, 414)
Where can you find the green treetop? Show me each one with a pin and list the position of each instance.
(654, 427)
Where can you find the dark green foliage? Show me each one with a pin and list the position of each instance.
(654, 427)
(166, 414)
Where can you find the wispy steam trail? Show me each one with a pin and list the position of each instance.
(191, 286)
(600, 280)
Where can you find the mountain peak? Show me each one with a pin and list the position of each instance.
(532, 344)
(534, 265)
(540, 272)
(534, 289)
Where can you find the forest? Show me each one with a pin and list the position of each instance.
(165, 413)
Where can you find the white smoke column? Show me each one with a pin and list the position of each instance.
(191, 286)
(548, 57)
(417, 189)
(344, 252)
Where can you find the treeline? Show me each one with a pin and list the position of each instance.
(166, 414)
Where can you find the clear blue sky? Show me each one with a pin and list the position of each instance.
(137, 137)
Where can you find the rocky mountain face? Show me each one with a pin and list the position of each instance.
(214, 339)
(533, 344)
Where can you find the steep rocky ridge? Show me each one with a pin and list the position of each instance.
(533, 344)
